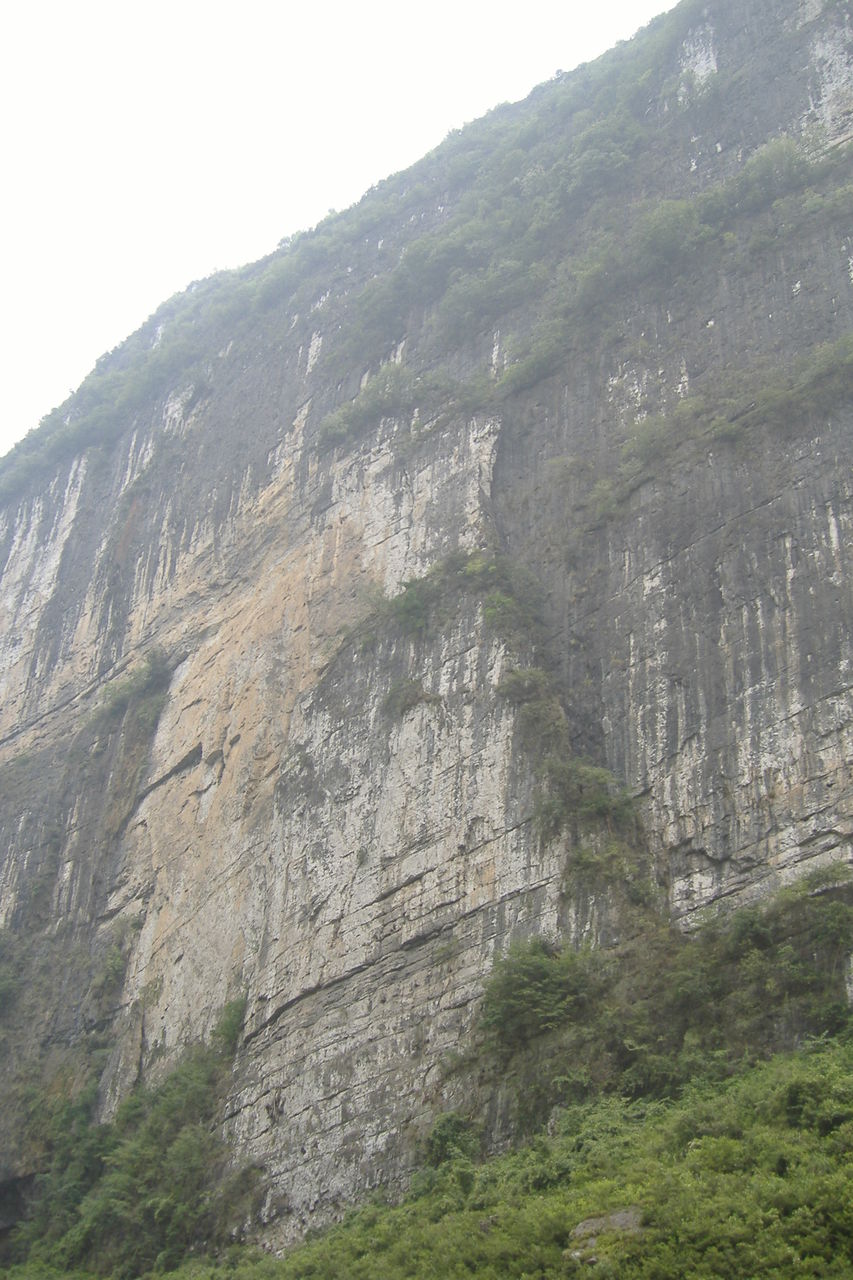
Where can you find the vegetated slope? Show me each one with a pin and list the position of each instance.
(471, 570)
(680, 1142)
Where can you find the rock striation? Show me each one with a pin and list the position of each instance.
(259, 607)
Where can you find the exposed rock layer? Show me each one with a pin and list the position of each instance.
(286, 824)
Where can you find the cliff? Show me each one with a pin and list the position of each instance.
(345, 600)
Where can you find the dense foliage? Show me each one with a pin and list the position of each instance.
(680, 1141)
(667, 1007)
(751, 1178)
(141, 1191)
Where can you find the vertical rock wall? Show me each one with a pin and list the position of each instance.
(329, 806)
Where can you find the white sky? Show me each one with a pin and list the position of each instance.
(146, 145)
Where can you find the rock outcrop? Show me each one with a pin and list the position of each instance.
(242, 756)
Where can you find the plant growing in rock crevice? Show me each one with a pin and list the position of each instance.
(571, 789)
(424, 605)
(404, 696)
(143, 692)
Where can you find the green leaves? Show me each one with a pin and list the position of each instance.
(718, 1164)
(667, 1008)
(226, 1033)
(123, 1197)
(717, 1183)
(537, 987)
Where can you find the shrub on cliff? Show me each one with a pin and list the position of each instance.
(137, 1193)
(536, 987)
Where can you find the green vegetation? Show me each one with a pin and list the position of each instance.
(142, 692)
(226, 1033)
(777, 192)
(451, 1136)
(747, 1178)
(680, 1120)
(404, 696)
(425, 605)
(731, 1181)
(783, 398)
(572, 789)
(423, 401)
(112, 745)
(393, 392)
(511, 223)
(671, 239)
(111, 976)
(651, 1064)
(526, 687)
(139, 1192)
(10, 972)
(667, 1007)
(537, 987)
(578, 791)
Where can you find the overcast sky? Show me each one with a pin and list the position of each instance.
(146, 145)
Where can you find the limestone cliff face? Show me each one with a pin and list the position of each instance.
(326, 803)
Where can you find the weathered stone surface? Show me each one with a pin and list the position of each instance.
(281, 828)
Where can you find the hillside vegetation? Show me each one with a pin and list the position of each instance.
(657, 1086)
(672, 1105)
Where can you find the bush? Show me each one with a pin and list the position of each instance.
(770, 172)
(536, 987)
(10, 976)
(226, 1033)
(404, 696)
(574, 789)
(524, 684)
(666, 1008)
(451, 1136)
(143, 690)
(666, 239)
(510, 598)
(138, 1193)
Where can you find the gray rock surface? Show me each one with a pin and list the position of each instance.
(280, 827)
